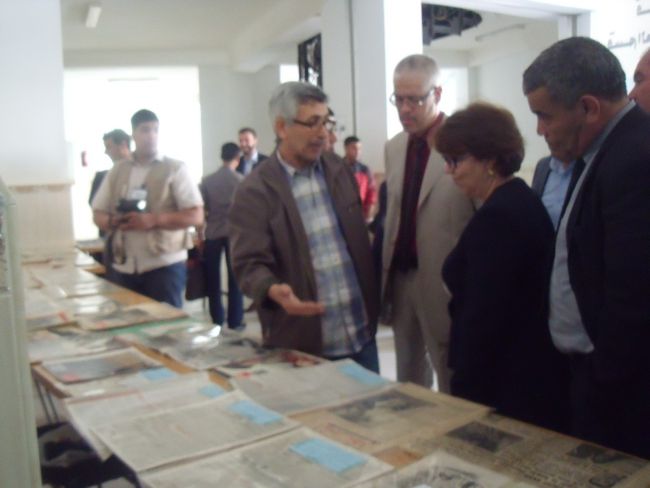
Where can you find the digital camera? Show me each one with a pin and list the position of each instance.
(126, 205)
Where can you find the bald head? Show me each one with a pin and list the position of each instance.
(417, 93)
(420, 63)
(641, 91)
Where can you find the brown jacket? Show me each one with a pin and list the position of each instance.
(269, 245)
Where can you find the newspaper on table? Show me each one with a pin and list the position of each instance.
(41, 311)
(118, 383)
(84, 260)
(540, 457)
(295, 390)
(124, 316)
(442, 470)
(66, 282)
(67, 341)
(86, 288)
(297, 459)
(57, 258)
(30, 281)
(269, 360)
(50, 257)
(198, 345)
(90, 305)
(181, 433)
(34, 257)
(64, 275)
(98, 366)
(157, 396)
(393, 424)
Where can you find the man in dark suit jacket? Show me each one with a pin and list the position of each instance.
(299, 243)
(551, 181)
(250, 158)
(600, 283)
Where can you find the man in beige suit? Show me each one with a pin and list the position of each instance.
(425, 215)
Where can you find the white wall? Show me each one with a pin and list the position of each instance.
(229, 101)
(32, 148)
(624, 27)
(338, 54)
(226, 105)
(98, 100)
(491, 85)
(264, 82)
(31, 120)
(31, 152)
(495, 76)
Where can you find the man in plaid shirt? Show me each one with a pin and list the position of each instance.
(299, 243)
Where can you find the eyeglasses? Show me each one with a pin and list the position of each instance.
(412, 101)
(316, 124)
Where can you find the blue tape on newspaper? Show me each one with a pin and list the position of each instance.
(255, 413)
(328, 455)
(156, 374)
(362, 375)
(211, 391)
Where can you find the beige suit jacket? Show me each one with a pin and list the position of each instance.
(443, 211)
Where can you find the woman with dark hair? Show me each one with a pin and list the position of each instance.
(500, 352)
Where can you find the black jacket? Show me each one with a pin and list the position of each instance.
(500, 348)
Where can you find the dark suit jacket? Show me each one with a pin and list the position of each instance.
(500, 350)
(542, 171)
(609, 250)
(260, 157)
(608, 239)
(269, 245)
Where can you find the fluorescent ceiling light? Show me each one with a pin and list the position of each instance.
(92, 16)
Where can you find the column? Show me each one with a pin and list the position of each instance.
(363, 40)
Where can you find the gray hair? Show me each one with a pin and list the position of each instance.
(287, 97)
(575, 67)
(420, 63)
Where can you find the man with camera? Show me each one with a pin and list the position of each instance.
(146, 204)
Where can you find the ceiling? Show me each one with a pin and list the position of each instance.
(245, 34)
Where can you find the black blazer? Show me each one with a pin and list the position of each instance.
(260, 157)
(540, 176)
(500, 349)
(608, 239)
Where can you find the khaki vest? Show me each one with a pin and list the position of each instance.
(159, 199)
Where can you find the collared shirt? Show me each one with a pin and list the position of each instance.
(556, 187)
(138, 257)
(249, 163)
(565, 322)
(405, 256)
(344, 321)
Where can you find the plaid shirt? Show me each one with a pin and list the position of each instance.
(344, 321)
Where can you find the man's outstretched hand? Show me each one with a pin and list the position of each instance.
(283, 295)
